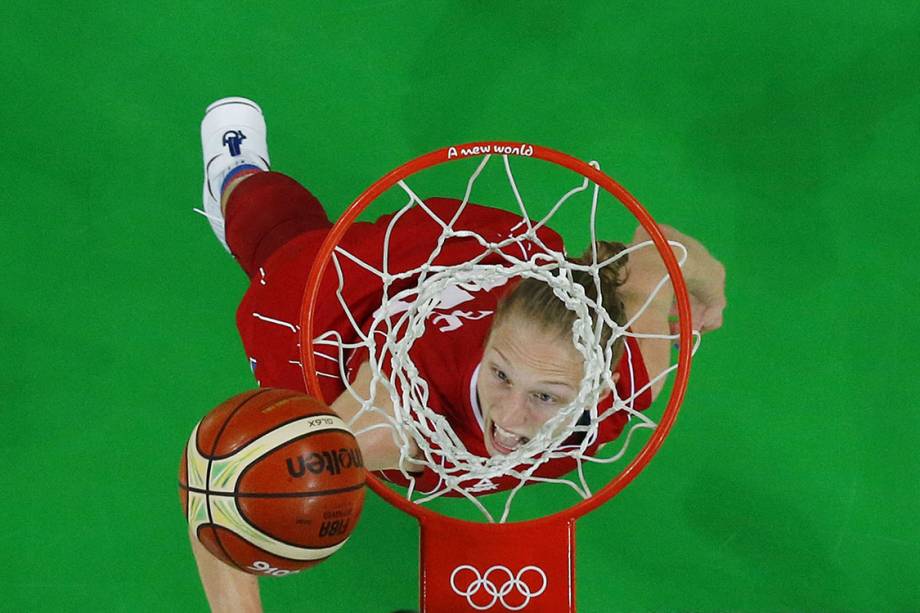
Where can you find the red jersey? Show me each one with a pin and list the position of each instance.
(447, 355)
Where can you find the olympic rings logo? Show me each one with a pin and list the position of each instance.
(488, 584)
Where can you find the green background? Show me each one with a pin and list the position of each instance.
(782, 135)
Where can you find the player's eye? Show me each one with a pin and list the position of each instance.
(544, 397)
(500, 375)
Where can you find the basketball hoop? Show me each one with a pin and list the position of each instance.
(527, 565)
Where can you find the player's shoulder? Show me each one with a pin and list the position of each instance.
(448, 209)
(460, 215)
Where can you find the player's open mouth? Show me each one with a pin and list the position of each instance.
(504, 441)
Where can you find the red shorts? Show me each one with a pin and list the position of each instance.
(264, 212)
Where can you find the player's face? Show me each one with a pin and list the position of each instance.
(525, 378)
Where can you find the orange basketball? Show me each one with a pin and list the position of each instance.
(272, 481)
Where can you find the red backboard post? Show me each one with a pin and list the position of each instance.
(468, 567)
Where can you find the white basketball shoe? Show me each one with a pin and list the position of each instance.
(233, 138)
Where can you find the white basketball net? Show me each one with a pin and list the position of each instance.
(390, 338)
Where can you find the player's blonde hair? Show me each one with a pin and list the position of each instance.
(535, 301)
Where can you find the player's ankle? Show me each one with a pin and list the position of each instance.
(232, 180)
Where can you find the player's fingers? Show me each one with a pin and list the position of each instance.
(697, 313)
(712, 319)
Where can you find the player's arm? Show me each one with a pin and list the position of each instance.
(705, 278)
(228, 590)
(379, 450)
(232, 590)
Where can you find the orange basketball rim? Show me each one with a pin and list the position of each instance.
(521, 566)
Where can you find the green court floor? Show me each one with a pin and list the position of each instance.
(783, 135)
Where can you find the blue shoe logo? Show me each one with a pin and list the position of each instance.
(232, 139)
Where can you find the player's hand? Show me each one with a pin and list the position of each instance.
(707, 315)
(707, 302)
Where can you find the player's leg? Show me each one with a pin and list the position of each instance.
(252, 211)
(264, 212)
(225, 194)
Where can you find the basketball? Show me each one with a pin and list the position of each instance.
(272, 482)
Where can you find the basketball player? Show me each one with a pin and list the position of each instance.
(499, 362)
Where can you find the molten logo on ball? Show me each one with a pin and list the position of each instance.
(331, 461)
